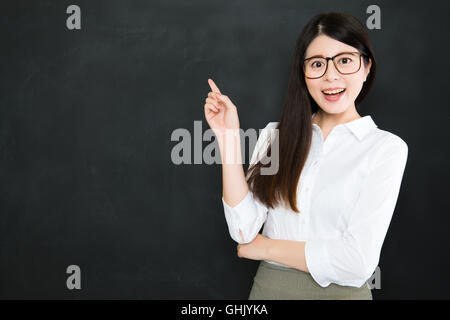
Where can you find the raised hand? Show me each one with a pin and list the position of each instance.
(220, 112)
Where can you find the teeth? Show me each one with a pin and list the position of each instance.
(333, 91)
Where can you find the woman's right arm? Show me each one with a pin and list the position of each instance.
(244, 215)
(221, 115)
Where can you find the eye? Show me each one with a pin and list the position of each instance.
(313, 64)
(348, 60)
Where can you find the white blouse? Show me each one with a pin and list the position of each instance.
(347, 193)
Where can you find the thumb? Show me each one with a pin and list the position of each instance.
(225, 100)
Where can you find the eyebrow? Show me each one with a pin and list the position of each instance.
(321, 56)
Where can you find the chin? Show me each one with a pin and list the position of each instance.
(334, 109)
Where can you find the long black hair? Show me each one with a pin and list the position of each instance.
(295, 126)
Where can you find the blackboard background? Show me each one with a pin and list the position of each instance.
(86, 118)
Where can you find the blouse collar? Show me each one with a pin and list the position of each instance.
(359, 127)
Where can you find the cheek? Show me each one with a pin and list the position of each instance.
(354, 87)
(313, 88)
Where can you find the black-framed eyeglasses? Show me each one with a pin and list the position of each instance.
(345, 63)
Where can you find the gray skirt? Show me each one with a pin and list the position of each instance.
(273, 282)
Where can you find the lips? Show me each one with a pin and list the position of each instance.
(333, 97)
(335, 88)
(333, 91)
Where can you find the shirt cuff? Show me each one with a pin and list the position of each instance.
(242, 212)
(245, 216)
(318, 261)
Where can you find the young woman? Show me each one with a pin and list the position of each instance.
(327, 209)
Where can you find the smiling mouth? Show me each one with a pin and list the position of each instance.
(333, 92)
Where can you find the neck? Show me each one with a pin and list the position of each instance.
(329, 120)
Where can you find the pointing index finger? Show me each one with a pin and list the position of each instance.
(213, 86)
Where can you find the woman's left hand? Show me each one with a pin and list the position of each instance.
(255, 250)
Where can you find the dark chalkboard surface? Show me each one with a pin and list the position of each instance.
(86, 117)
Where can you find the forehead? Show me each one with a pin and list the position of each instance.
(328, 47)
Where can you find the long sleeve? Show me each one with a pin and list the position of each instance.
(351, 259)
(249, 214)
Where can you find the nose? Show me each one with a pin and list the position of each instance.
(332, 72)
